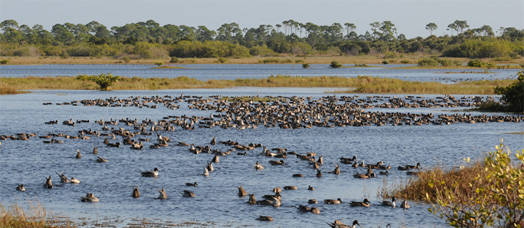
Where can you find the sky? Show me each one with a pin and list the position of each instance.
(409, 16)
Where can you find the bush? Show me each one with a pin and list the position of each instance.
(428, 62)
(513, 94)
(4, 61)
(335, 64)
(221, 60)
(103, 80)
(305, 65)
(158, 64)
(494, 194)
(126, 59)
(405, 61)
(174, 60)
(385, 62)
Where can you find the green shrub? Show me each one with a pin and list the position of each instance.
(174, 60)
(385, 62)
(475, 63)
(158, 64)
(405, 61)
(222, 60)
(126, 59)
(4, 61)
(268, 61)
(103, 80)
(513, 94)
(335, 64)
(305, 65)
(428, 62)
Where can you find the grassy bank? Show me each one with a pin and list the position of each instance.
(361, 84)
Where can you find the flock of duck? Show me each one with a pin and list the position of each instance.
(284, 112)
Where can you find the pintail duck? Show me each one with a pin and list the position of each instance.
(270, 202)
(321, 160)
(348, 160)
(216, 158)
(281, 162)
(337, 170)
(408, 167)
(213, 141)
(89, 198)
(365, 203)
(206, 172)
(163, 194)
(339, 224)
(319, 173)
(265, 218)
(188, 193)
(20, 188)
(153, 173)
(78, 155)
(388, 203)
(333, 201)
(405, 205)
(136, 193)
(384, 172)
(48, 183)
(303, 208)
(290, 188)
(63, 178)
(195, 184)
(74, 181)
(312, 201)
(276, 196)
(241, 191)
(101, 160)
(210, 167)
(95, 150)
(315, 210)
(277, 189)
(298, 175)
(310, 188)
(258, 166)
(252, 199)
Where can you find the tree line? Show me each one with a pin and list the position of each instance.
(151, 40)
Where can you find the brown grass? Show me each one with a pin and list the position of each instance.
(361, 84)
(36, 217)
(417, 187)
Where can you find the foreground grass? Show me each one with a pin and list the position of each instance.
(36, 217)
(361, 84)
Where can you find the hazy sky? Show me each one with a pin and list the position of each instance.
(409, 16)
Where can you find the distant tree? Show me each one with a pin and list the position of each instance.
(431, 27)
(349, 28)
(458, 26)
(62, 34)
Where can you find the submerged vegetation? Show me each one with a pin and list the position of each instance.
(479, 194)
(360, 84)
(150, 40)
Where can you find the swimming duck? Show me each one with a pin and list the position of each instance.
(321, 160)
(101, 160)
(241, 191)
(163, 194)
(195, 184)
(365, 203)
(337, 170)
(405, 205)
(153, 173)
(188, 193)
(270, 202)
(298, 175)
(333, 201)
(290, 188)
(265, 218)
(20, 188)
(252, 199)
(74, 181)
(277, 189)
(348, 160)
(270, 197)
(213, 141)
(384, 172)
(89, 198)
(310, 188)
(206, 172)
(315, 210)
(281, 162)
(63, 178)
(414, 166)
(216, 158)
(78, 155)
(339, 224)
(95, 150)
(258, 166)
(48, 183)
(136, 193)
(319, 173)
(303, 208)
(391, 203)
(312, 201)
(210, 167)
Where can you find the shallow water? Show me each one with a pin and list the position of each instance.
(29, 162)
(234, 71)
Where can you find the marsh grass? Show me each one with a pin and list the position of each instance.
(35, 217)
(416, 188)
(360, 84)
